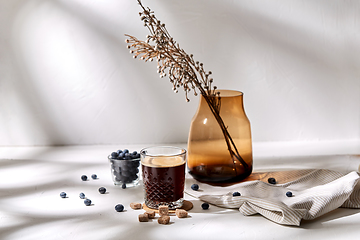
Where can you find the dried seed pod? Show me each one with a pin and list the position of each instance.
(183, 70)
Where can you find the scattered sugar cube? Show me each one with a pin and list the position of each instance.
(150, 214)
(143, 218)
(135, 205)
(164, 220)
(181, 213)
(163, 210)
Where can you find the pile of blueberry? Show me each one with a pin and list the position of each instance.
(125, 166)
(125, 155)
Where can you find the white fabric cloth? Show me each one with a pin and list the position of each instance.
(315, 192)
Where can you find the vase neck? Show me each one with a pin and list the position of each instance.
(227, 97)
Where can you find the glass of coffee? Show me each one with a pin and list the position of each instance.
(163, 172)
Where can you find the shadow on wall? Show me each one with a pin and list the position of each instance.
(48, 91)
(70, 81)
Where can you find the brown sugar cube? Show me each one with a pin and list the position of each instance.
(143, 218)
(150, 214)
(135, 206)
(164, 220)
(163, 210)
(181, 213)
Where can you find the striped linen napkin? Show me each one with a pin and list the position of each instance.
(315, 192)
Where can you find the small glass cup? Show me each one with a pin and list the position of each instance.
(125, 172)
(163, 173)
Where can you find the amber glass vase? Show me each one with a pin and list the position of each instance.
(212, 157)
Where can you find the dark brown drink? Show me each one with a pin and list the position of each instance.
(164, 178)
(163, 185)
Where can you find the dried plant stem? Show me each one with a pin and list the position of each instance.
(234, 153)
(182, 70)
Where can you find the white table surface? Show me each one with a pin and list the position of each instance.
(31, 179)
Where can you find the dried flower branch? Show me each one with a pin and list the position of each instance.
(181, 68)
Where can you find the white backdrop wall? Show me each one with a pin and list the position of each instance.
(66, 76)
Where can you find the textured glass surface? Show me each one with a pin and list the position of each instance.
(163, 171)
(125, 171)
(208, 155)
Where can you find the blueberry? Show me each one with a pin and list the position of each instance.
(117, 178)
(134, 177)
(114, 155)
(84, 177)
(134, 170)
(134, 153)
(119, 151)
(137, 155)
(127, 156)
(63, 194)
(121, 155)
(102, 190)
(136, 163)
(205, 206)
(82, 195)
(289, 194)
(272, 180)
(126, 173)
(87, 202)
(123, 186)
(195, 187)
(236, 194)
(126, 151)
(119, 207)
(94, 176)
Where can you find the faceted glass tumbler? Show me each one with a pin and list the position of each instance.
(163, 174)
(125, 172)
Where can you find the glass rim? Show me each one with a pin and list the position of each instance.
(133, 159)
(144, 153)
(228, 93)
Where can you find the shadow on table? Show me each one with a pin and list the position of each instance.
(340, 163)
(212, 209)
(262, 165)
(43, 171)
(338, 213)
